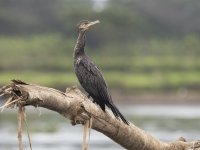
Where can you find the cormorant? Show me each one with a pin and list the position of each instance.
(89, 75)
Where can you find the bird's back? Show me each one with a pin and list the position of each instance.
(92, 80)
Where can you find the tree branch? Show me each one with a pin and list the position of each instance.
(75, 106)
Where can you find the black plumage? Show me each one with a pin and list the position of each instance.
(90, 76)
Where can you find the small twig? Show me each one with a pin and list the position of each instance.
(12, 102)
(2, 95)
(90, 127)
(6, 104)
(27, 130)
(20, 127)
(4, 88)
(85, 128)
(9, 102)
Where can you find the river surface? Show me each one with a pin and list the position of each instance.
(50, 131)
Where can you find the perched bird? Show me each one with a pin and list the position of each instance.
(89, 75)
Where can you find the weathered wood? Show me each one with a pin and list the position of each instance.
(74, 105)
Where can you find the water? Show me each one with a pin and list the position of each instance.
(50, 131)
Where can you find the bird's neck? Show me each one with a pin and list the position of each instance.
(80, 45)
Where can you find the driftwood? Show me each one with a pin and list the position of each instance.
(74, 105)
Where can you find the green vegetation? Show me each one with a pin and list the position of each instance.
(47, 60)
(116, 79)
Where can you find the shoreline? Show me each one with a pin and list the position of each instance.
(168, 98)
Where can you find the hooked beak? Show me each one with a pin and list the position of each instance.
(92, 23)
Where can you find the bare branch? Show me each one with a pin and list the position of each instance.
(74, 105)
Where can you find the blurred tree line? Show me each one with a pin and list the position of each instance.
(143, 18)
(152, 38)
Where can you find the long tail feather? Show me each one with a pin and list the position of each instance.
(117, 113)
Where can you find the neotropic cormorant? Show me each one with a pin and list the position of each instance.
(89, 75)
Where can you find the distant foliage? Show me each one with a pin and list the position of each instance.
(139, 17)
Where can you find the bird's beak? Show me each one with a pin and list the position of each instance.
(92, 23)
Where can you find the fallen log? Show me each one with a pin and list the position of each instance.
(75, 106)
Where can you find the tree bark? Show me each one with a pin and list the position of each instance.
(75, 106)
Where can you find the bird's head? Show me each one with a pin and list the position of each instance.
(85, 25)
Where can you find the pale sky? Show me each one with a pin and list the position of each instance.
(99, 4)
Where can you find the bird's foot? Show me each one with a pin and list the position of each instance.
(88, 96)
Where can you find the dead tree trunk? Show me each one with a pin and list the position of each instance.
(74, 105)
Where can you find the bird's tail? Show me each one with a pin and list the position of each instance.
(117, 113)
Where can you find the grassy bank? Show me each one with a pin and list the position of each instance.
(151, 64)
(116, 80)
